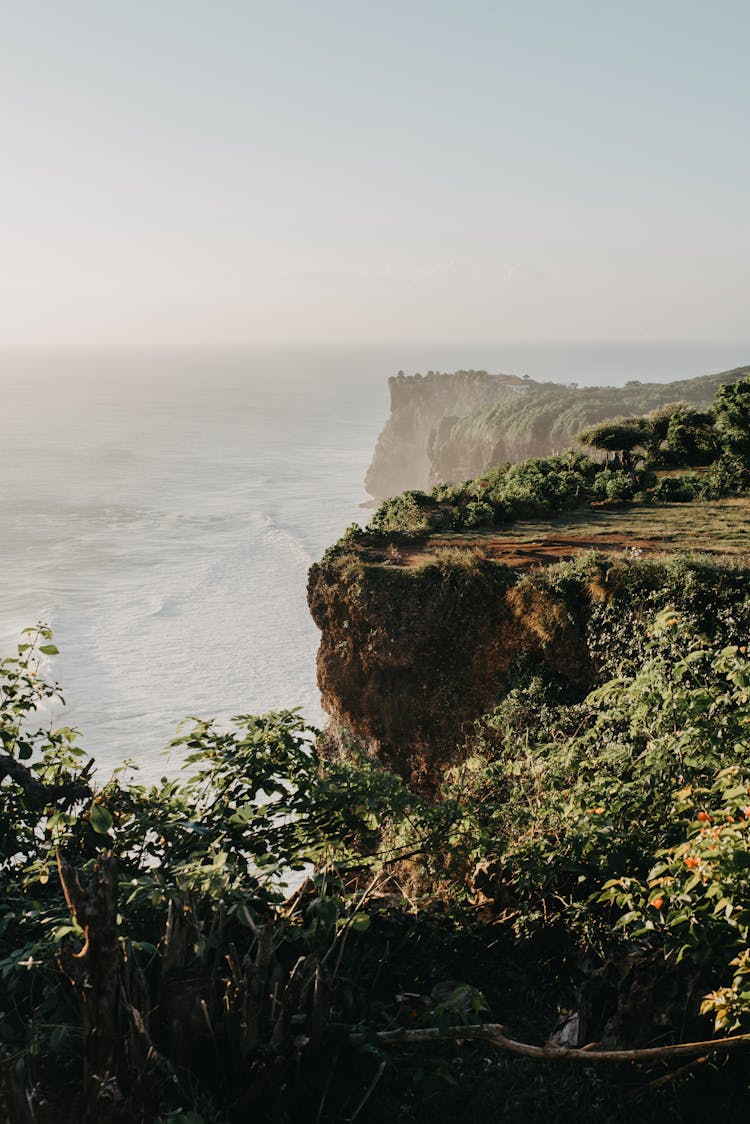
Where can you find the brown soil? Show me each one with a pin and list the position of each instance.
(720, 528)
(522, 554)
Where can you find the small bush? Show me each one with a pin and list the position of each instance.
(406, 514)
(675, 489)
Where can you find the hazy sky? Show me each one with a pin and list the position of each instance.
(187, 171)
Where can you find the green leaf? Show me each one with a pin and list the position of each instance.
(144, 946)
(100, 819)
(326, 909)
(49, 649)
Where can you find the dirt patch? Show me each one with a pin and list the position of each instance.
(521, 554)
(721, 528)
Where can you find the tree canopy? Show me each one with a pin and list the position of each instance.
(618, 435)
(731, 411)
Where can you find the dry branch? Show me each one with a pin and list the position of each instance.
(39, 795)
(495, 1034)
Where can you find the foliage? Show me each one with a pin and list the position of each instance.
(731, 410)
(728, 474)
(405, 513)
(613, 484)
(673, 435)
(676, 489)
(618, 435)
(636, 801)
(506, 493)
(696, 898)
(202, 864)
(598, 826)
(690, 439)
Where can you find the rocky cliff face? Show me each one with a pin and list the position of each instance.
(411, 658)
(454, 427)
(418, 404)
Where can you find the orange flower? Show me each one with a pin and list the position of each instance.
(598, 811)
(691, 862)
(657, 903)
(704, 817)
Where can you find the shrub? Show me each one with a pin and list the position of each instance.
(478, 514)
(620, 436)
(676, 489)
(691, 439)
(612, 484)
(406, 514)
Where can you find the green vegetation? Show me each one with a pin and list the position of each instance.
(673, 435)
(545, 418)
(732, 413)
(152, 958)
(506, 493)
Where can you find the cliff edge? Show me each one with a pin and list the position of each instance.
(418, 405)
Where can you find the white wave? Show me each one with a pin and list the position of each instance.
(276, 535)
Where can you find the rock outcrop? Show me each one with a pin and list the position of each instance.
(409, 659)
(418, 405)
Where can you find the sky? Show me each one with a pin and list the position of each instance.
(230, 172)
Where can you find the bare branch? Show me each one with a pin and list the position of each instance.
(495, 1034)
(38, 794)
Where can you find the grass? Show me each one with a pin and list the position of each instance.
(721, 527)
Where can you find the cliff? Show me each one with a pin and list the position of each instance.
(408, 659)
(413, 655)
(418, 404)
(454, 427)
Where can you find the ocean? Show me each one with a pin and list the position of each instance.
(160, 509)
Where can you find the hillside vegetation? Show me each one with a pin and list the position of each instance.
(547, 418)
(451, 427)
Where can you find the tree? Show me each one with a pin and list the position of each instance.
(620, 436)
(731, 411)
(691, 438)
(658, 421)
(682, 435)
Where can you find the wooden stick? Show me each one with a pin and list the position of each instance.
(495, 1034)
(368, 1093)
